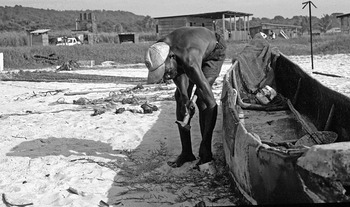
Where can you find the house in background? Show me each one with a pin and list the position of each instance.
(285, 31)
(167, 24)
(38, 37)
(344, 23)
(86, 22)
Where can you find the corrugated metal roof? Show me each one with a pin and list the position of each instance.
(39, 31)
(281, 25)
(211, 15)
(343, 15)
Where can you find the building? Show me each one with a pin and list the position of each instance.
(86, 22)
(38, 37)
(285, 31)
(228, 27)
(85, 28)
(344, 23)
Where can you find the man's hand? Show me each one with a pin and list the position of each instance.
(188, 107)
(191, 109)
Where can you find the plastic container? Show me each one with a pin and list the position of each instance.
(266, 94)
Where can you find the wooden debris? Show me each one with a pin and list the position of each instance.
(98, 111)
(8, 204)
(77, 192)
(103, 204)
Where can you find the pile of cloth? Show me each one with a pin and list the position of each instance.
(254, 77)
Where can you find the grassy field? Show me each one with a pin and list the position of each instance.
(24, 57)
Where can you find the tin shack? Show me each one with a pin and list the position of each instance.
(232, 25)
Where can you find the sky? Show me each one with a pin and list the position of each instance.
(161, 8)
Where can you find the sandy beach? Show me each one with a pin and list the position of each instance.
(57, 151)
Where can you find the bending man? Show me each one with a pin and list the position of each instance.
(190, 56)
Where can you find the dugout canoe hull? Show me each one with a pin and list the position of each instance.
(265, 173)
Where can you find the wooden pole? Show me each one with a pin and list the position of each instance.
(235, 27)
(248, 27)
(244, 27)
(312, 56)
(223, 26)
(230, 27)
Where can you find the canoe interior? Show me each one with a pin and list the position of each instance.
(273, 126)
(265, 172)
(314, 100)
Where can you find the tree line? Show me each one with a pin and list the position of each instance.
(20, 18)
(323, 24)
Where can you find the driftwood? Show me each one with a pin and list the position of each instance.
(87, 92)
(327, 74)
(145, 87)
(4, 116)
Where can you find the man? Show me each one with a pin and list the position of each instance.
(190, 56)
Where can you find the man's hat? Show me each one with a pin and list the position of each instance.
(155, 59)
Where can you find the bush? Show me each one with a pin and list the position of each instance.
(13, 39)
(107, 38)
(148, 37)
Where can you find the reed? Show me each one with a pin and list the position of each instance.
(13, 39)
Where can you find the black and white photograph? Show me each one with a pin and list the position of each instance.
(157, 103)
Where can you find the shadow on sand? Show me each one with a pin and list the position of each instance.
(62, 146)
(148, 162)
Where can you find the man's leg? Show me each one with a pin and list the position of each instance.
(207, 116)
(207, 122)
(185, 136)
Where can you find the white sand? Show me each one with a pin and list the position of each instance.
(330, 64)
(47, 148)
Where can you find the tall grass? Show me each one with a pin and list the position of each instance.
(18, 39)
(13, 39)
(333, 45)
(44, 56)
(25, 57)
(324, 44)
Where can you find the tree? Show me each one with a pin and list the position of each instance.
(278, 20)
(305, 25)
(118, 28)
(19, 18)
(325, 23)
(148, 22)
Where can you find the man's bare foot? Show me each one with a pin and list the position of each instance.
(208, 167)
(203, 161)
(181, 159)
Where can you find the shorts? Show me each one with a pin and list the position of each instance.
(212, 64)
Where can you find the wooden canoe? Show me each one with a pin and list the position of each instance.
(260, 145)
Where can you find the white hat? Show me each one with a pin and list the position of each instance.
(154, 60)
(263, 35)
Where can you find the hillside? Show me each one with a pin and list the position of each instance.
(20, 18)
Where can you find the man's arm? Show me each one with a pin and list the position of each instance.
(195, 74)
(182, 82)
